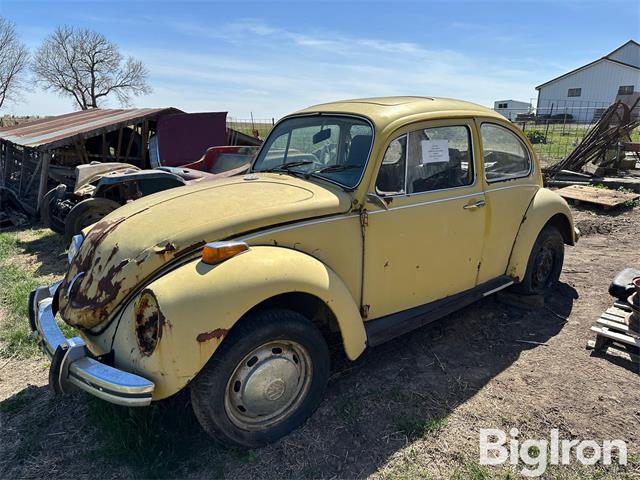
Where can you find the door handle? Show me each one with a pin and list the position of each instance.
(478, 204)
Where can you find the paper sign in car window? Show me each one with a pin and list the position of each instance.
(435, 151)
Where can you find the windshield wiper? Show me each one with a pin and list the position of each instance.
(288, 165)
(334, 168)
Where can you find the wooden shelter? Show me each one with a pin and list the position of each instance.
(36, 156)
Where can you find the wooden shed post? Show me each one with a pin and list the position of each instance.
(44, 177)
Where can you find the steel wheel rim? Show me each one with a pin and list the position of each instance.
(268, 385)
(543, 266)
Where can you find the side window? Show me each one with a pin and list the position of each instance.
(505, 156)
(439, 158)
(390, 179)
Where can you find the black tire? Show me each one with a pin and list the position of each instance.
(87, 212)
(545, 263)
(47, 209)
(212, 392)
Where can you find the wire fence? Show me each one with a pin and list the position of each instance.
(558, 126)
(256, 127)
(554, 128)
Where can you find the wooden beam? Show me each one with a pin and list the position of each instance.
(131, 135)
(119, 143)
(104, 144)
(44, 176)
(145, 143)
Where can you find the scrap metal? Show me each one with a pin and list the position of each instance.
(615, 126)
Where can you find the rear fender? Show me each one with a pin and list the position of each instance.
(546, 207)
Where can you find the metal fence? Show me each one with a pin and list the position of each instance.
(256, 127)
(557, 127)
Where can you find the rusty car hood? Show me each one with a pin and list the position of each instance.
(136, 240)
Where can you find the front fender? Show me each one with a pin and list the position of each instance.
(200, 303)
(545, 207)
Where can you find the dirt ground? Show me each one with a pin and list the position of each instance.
(411, 408)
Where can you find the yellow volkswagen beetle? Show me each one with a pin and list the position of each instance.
(366, 217)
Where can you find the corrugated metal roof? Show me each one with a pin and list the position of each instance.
(53, 132)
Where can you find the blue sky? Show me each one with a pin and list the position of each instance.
(271, 58)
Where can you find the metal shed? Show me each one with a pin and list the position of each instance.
(38, 153)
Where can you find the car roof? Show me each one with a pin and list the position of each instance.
(386, 110)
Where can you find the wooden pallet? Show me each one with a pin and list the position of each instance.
(599, 196)
(613, 333)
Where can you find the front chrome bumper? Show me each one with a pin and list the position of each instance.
(72, 364)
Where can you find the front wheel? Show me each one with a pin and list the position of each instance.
(87, 212)
(49, 211)
(265, 380)
(545, 263)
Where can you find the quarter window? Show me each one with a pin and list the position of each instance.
(505, 156)
(392, 171)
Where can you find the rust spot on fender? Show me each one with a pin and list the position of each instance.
(150, 322)
(109, 275)
(85, 262)
(167, 248)
(218, 334)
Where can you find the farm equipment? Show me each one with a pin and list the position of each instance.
(618, 328)
(603, 148)
(99, 188)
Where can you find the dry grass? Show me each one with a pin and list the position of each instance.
(411, 408)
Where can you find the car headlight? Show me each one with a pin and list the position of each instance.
(76, 242)
(148, 322)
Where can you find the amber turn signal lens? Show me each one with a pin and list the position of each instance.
(217, 252)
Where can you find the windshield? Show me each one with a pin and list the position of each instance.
(333, 147)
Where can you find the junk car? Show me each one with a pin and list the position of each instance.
(100, 188)
(362, 218)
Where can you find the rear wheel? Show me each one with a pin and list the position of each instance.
(87, 212)
(265, 380)
(545, 262)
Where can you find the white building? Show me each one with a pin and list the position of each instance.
(586, 91)
(511, 108)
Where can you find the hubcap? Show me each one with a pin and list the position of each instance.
(268, 385)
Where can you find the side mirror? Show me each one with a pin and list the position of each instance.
(376, 199)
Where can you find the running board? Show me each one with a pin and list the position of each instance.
(391, 326)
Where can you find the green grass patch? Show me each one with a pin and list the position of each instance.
(17, 280)
(475, 471)
(8, 245)
(15, 286)
(416, 428)
(155, 442)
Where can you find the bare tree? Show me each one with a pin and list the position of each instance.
(85, 66)
(13, 62)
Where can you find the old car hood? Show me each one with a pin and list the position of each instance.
(136, 240)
